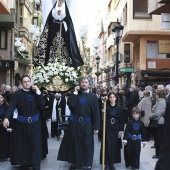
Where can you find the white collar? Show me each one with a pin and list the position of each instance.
(26, 90)
(88, 91)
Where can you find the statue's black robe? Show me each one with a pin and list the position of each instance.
(4, 135)
(27, 139)
(54, 44)
(77, 146)
(113, 144)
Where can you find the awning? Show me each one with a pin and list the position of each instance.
(155, 73)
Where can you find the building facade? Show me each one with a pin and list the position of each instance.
(15, 24)
(144, 47)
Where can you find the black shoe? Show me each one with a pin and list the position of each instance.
(106, 167)
(88, 168)
(36, 167)
(155, 157)
(72, 167)
(44, 156)
(112, 168)
(24, 167)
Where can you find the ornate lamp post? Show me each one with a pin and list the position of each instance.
(35, 35)
(98, 72)
(118, 30)
(96, 45)
(85, 52)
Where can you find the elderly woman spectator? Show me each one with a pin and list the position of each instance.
(157, 118)
(146, 105)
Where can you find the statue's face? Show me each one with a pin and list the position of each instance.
(60, 3)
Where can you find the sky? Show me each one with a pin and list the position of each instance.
(85, 16)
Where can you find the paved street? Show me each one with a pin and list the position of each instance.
(51, 163)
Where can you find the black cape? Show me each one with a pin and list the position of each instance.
(27, 139)
(77, 146)
(54, 45)
(4, 135)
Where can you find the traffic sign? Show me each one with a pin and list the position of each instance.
(127, 70)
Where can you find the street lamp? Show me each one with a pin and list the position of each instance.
(118, 30)
(98, 72)
(96, 45)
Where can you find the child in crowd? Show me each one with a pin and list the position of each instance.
(134, 134)
(114, 129)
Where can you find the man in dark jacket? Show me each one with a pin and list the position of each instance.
(133, 100)
(85, 116)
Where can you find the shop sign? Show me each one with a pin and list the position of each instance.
(127, 70)
(6, 64)
(164, 46)
(152, 64)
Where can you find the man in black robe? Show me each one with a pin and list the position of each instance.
(77, 146)
(58, 40)
(27, 139)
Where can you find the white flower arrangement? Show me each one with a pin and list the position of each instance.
(45, 75)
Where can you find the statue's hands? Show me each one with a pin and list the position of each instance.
(59, 12)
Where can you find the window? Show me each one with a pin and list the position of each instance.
(152, 51)
(126, 53)
(125, 15)
(3, 39)
(140, 9)
(35, 21)
(21, 21)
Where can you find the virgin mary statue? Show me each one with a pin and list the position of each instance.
(58, 40)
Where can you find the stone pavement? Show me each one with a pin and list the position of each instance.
(51, 163)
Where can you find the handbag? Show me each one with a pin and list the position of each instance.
(153, 123)
(142, 113)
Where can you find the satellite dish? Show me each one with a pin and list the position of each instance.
(120, 58)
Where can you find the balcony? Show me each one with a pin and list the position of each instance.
(8, 20)
(4, 8)
(158, 6)
(110, 41)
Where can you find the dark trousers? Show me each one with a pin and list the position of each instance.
(132, 153)
(158, 138)
(54, 129)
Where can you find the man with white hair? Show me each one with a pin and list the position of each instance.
(57, 107)
(160, 86)
(167, 92)
(133, 100)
